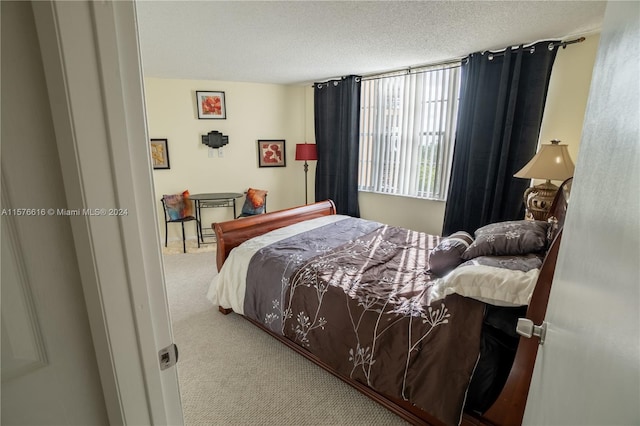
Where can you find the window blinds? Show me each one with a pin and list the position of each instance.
(407, 131)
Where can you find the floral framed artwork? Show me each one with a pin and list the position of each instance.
(160, 154)
(271, 153)
(211, 105)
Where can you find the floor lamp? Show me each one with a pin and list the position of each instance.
(306, 151)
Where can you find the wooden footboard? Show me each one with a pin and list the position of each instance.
(508, 409)
(233, 233)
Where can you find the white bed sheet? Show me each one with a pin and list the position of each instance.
(227, 289)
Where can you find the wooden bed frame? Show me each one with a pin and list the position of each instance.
(508, 409)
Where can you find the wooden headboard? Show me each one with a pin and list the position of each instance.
(234, 232)
(558, 209)
(509, 407)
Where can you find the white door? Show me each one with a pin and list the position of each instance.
(87, 315)
(588, 370)
(49, 369)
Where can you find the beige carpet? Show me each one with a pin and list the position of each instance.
(232, 373)
(175, 247)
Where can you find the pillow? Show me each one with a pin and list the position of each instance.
(178, 205)
(523, 263)
(188, 208)
(509, 238)
(254, 202)
(447, 254)
(488, 284)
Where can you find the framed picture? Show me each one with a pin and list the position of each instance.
(211, 105)
(160, 154)
(271, 153)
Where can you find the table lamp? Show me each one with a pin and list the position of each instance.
(552, 162)
(306, 151)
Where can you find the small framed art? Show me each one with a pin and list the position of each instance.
(271, 153)
(160, 154)
(211, 105)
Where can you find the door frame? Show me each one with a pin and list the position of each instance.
(91, 57)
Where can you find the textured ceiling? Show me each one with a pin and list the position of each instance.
(295, 42)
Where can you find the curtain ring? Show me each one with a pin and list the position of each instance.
(532, 49)
(550, 47)
(335, 83)
(490, 57)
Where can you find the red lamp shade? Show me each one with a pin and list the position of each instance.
(306, 151)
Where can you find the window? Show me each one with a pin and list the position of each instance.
(407, 131)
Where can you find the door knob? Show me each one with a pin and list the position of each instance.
(526, 328)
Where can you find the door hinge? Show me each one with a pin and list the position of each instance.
(168, 356)
(527, 329)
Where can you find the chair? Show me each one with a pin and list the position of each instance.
(255, 202)
(178, 209)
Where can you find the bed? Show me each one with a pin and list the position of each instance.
(361, 300)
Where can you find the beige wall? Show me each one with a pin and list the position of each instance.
(265, 111)
(568, 92)
(254, 111)
(563, 117)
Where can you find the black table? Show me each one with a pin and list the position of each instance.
(213, 200)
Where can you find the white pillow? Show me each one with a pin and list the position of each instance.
(488, 284)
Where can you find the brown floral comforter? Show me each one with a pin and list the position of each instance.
(356, 294)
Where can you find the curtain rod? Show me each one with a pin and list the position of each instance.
(564, 44)
(449, 63)
(457, 61)
(551, 46)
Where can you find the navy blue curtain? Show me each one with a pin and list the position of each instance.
(337, 121)
(502, 97)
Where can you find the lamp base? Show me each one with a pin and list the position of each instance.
(538, 200)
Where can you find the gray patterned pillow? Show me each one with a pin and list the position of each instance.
(447, 254)
(523, 263)
(509, 238)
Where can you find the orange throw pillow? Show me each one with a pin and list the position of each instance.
(187, 209)
(256, 196)
(254, 202)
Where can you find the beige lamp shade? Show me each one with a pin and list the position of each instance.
(552, 162)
